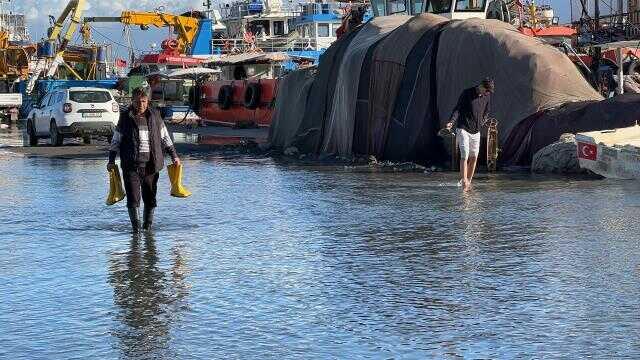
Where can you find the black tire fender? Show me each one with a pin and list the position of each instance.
(252, 95)
(31, 132)
(225, 97)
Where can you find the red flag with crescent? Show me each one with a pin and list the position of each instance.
(587, 151)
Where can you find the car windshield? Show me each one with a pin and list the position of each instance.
(87, 96)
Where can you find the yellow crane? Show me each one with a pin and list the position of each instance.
(73, 11)
(186, 27)
(4, 39)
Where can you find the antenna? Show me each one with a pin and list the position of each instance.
(207, 4)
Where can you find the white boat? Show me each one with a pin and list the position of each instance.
(611, 153)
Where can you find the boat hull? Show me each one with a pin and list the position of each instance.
(238, 114)
(611, 153)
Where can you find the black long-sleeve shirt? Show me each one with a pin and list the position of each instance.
(471, 110)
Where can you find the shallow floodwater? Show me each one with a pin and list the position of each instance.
(267, 261)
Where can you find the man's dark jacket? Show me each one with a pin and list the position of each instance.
(129, 144)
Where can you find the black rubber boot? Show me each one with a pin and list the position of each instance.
(147, 218)
(135, 219)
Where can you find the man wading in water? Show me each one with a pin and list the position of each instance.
(141, 137)
(468, 116)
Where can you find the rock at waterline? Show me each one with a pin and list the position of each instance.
(558, 158)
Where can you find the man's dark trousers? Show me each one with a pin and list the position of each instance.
(139, 179)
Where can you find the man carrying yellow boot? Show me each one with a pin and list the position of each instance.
(141, 138)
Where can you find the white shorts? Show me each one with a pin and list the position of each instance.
(469, 144)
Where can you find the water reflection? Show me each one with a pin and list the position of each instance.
(149, 300)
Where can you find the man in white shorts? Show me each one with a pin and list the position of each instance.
(468, 116)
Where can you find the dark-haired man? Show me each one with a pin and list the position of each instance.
(142, 139)
(468, 116)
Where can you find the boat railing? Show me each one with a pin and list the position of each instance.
(283, 44)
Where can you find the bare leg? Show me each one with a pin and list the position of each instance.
(471, 167)
(463, 172)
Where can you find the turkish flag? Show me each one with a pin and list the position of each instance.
(587, 151)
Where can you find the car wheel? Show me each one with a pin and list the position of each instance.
(54, 134)
(86, 139)
(31, 133)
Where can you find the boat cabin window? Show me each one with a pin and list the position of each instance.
(439, 6)
(323, 30)
(416, 6)
(470, 5)
(378, 7)
(395, 7)
(260, 27)
(239, 73)
(334, 28)
(278, 28)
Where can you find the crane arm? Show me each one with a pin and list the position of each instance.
(73, 8)
(4, 39)
(185, 26)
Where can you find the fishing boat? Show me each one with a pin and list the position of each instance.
(611, 153)
(264, 40)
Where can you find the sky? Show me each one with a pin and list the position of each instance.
(37, 12)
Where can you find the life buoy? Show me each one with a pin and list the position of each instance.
(252, 96)
(225, 97)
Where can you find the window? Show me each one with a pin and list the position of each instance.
(323, 30)
(396, 7)
(52, 99)
(439, 6)
(278, 28)
(470, 5)
(89, 96)
(334, 28)
(44, 101)
(379, 8)
(416, 7)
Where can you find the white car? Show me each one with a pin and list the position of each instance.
(73, 112)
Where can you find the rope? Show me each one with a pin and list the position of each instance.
(111, 40)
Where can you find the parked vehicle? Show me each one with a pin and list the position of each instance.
(9, 105)
(73, 112)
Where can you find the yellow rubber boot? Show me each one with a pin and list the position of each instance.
(175, 176)
(116, 193)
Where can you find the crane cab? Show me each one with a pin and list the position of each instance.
(452, 9)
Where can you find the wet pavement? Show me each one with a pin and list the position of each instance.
(268, 261)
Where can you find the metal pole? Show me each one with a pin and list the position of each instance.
(596, 14)
(620, 71)
(597, 55)
(571, 10)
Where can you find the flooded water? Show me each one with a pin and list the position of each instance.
(267, 261)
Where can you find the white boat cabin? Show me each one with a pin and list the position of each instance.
(452, 9)
(319, 22)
